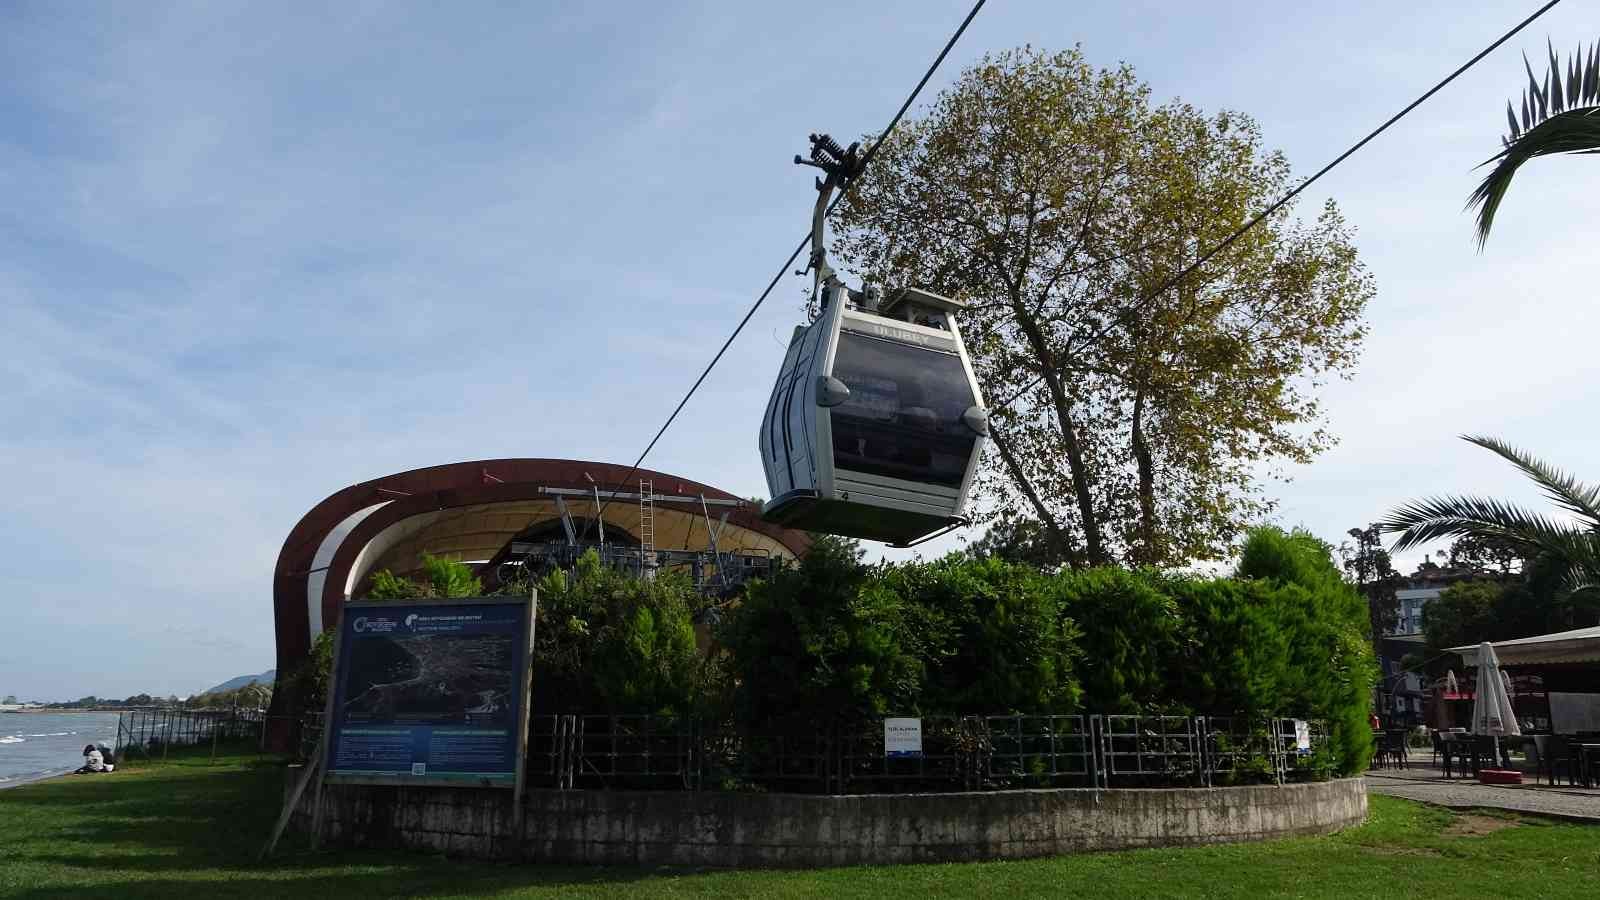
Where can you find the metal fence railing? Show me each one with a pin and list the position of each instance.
(1154, 749)
(151, 733)
(958, 753)
(1041, 751)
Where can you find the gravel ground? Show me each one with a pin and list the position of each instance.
(1427, 787)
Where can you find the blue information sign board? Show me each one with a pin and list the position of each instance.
(431, 691)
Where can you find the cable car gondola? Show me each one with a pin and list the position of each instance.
(876, 423)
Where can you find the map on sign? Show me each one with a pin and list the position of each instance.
(433, 679)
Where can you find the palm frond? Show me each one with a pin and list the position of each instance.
(1582, 561)
(1577, 583)
(1437, 518)
(1575, 547)
(1561, 487)
(1561, 114)
(1574, 131)
(1552, 82)
(1535, 94)
(1591, 75)
(1572, 77)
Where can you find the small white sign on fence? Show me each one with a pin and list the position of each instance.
(902, 737)
(1302, 736)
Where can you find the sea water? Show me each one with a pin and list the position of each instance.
(37, 745)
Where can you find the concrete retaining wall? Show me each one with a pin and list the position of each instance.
(747, 829)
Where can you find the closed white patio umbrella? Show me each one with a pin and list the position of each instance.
(1491, 707)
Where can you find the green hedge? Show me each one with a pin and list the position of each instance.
(827, 640)
(834, 640)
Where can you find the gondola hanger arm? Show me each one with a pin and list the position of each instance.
(841, 165)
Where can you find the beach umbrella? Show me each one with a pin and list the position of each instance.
(1491, 707)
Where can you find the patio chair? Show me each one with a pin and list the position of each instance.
(1460, 755)
(1585, 762)
(1552, 752)
(1438, 746)
(1382, 751)
(1395, 745)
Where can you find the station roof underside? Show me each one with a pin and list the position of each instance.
(472, 511)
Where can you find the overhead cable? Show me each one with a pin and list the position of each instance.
(784, 269)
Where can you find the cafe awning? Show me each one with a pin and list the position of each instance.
(1581, 645)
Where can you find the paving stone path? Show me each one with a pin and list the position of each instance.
(1426, 786)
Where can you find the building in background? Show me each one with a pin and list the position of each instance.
(1403, 695)
(1422, 587)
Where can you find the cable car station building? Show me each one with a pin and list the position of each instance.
(501, 514)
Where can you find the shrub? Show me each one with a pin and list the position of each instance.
(308, 683)
(607, 641)
(440, 578)
(826, 641)
(835, 640)
(1131, 635)
(995, 640)
(1294, 557)
(386, 585)
(1330, 668)
(1236, 651)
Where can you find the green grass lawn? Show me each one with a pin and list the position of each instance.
(189, 828)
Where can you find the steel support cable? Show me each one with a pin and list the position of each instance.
(1240, 232)
(866, 160)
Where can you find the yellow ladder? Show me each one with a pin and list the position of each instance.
(647, 517)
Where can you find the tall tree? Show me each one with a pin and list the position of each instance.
(1486, 556)
(1462, 614)
(1500, 609)
(1018, 540)
(1056, 199)
(1571, 544)
(1368, 565)
(1559, 115)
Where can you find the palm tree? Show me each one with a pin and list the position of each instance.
(1560, 116)
(1575, 546)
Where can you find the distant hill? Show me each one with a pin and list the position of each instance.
(234, 684)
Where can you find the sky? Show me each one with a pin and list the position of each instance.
(250, 254)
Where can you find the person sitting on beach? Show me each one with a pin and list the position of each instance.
(93, 761)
